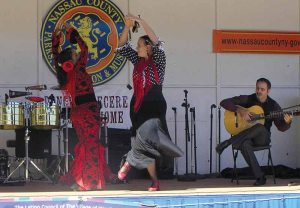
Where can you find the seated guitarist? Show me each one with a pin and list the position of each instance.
(257, 135)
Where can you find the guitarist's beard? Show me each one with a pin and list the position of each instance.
(261, 98)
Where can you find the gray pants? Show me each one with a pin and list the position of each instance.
(255, 136)
(151, 142)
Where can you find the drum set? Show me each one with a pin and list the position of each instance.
(37, 114)
(32, 114)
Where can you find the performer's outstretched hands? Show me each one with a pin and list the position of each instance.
(128, 22)
(133, 17)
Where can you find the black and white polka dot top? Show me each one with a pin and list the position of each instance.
(158, 56)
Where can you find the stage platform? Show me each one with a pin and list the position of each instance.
(210, 192)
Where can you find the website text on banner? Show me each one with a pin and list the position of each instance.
(231, 41)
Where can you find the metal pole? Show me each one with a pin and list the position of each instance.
(176, 161)
(195, 139)
(192, 137)
(59, 151)
(187, 134)
(106, 139)
(67, 105)
(219, 127)
(210, 139)
(26, 155)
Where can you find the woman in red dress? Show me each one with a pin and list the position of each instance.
(88, 170)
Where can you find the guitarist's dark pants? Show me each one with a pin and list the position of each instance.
(255, 136)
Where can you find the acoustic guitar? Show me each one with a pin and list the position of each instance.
(234, 123)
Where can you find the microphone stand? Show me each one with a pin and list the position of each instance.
(210, 139)
(58, 170)
(175, 160)
(193, 119)
(68, 103)
(219, 137)
(187, 134)
(105, 122)
(187, 176)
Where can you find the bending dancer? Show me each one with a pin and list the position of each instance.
(257, 135)
(148, 105)
(88, 170)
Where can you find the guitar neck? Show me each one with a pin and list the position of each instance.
(276, 114)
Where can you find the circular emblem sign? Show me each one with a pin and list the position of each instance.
(99, 23)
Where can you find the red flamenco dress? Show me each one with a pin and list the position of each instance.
(88, 169)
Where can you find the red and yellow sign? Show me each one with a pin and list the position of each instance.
(230, 41)
(99, 22)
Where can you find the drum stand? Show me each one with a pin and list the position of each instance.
(62, 161)
(58, 170)
(27, 160)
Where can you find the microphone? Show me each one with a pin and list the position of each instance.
(14, 94)
(174, 109)
(213, 106)
(36, 87)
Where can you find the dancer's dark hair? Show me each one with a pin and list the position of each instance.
(61, 75)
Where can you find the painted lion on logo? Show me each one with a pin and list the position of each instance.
(85, 30)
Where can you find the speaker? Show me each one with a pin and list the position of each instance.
(3, 165)
(118, 145)
(39, 145)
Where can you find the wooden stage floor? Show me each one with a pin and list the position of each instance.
(138, 187)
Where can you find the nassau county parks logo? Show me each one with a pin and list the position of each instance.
(99, 23)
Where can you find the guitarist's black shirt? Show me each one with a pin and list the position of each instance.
(250, 100)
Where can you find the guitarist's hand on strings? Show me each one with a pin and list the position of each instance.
(288, 118)
(244, 113)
